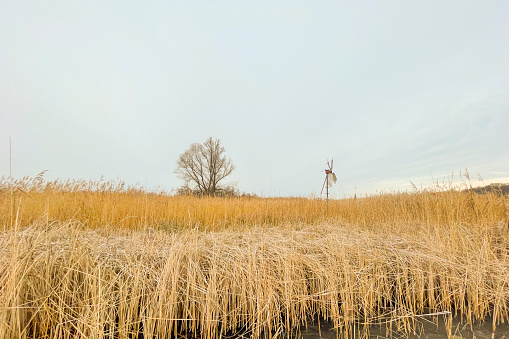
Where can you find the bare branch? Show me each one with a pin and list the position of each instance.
(204, 166)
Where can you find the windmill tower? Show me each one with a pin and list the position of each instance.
(330, 178)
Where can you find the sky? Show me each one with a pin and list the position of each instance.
(393, 91)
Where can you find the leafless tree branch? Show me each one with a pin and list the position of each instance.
(204, 166)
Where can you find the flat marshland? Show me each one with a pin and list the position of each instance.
(102, 260)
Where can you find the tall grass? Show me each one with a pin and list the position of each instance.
(66, 281)
(101, 260)
(98, 204)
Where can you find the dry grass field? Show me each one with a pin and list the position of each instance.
(102, 260)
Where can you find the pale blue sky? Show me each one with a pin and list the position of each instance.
(392, 90)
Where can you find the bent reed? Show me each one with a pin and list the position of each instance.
(388, 261)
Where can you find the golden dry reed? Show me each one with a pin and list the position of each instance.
(67, 281)
(212, 267)
(98, 204)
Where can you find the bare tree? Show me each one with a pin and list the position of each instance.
(203, 166)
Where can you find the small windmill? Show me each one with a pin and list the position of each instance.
(330, 178)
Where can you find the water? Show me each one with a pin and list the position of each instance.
(426, 329)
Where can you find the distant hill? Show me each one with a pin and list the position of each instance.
(498, 189)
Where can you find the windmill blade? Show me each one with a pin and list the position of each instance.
(331, 179)
(331, 164)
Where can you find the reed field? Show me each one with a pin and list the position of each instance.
(95, 259)
(99, 204)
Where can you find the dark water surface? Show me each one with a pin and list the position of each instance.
(427, 329)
